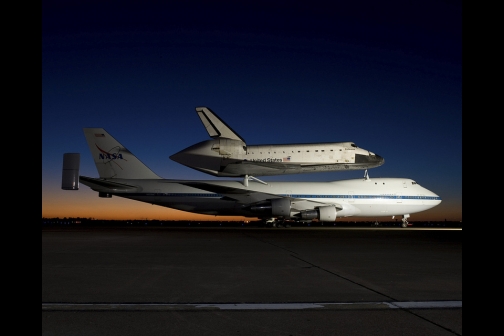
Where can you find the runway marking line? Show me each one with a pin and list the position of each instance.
(252, 306)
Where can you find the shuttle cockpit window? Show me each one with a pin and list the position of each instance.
(354, 145)
(413, 182)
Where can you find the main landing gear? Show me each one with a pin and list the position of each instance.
(405, 221)
(278, 223)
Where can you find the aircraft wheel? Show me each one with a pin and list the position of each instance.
(404, 224)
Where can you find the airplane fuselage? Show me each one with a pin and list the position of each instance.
(356, 197)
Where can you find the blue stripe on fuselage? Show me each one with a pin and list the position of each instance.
(209, 195)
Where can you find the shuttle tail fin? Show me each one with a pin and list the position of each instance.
(215, 126)
(112, 159)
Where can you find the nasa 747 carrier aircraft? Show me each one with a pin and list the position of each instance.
(122, 174)
(228, 155)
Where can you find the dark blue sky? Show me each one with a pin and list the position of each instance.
(385, 75)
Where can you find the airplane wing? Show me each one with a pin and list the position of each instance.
(241, 195)
(247, 196)
(215, 126)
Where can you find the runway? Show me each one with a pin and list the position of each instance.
(249, 281)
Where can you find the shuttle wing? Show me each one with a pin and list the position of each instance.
(243, 168)
(273, 165)
(215, 126)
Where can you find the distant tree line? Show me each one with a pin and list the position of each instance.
(91, 222)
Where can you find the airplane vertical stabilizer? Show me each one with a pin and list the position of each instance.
(215, 126)
(112, 159)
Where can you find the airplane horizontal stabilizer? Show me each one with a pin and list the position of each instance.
(106, 185)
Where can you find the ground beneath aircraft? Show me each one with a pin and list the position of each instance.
(249, 281)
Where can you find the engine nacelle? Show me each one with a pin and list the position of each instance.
(324, 214)
(280, 207)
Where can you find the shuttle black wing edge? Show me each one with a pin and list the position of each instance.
(272, 165)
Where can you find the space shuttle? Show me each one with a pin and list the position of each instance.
(228, 155)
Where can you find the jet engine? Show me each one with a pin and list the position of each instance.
(282, 207)
(276, 207)
(323, 213)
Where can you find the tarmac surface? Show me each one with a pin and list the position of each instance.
(251, 281)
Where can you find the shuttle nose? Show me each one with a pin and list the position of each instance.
(372, 160)
(378, 159)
